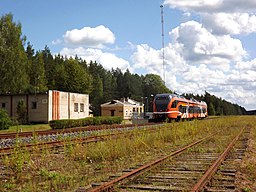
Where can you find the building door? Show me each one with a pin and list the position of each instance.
(112, 112)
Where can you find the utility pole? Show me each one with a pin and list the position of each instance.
(162, 21)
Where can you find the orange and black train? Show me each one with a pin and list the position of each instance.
(175, 107)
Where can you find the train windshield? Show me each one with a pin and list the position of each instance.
(161, 102)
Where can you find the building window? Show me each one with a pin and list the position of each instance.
(81, 107)
(75, 107)
(34, 105)
(3, 105)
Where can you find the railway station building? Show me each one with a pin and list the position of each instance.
(125, 108)
(44, 107)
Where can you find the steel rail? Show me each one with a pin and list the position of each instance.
(51, 144)
(211, 171)
(107, 186)
(70, 130)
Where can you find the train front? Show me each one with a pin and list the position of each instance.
(160, 106)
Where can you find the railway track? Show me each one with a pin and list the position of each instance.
(200, 166)
(63, 131)
(61, 143)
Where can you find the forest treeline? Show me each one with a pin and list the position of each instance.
(25, 70)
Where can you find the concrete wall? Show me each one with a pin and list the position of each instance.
(36, 106)
(117, 110)
(124, 111)
(48, 106)
(65, 105)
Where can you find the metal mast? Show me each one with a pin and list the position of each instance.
(162, 21)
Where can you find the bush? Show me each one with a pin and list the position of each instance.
(5, 120)
(69, 123)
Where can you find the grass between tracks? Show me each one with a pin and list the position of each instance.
(80, 165)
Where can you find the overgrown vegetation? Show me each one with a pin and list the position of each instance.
(5, 121)
(69, 123)
(80, 165)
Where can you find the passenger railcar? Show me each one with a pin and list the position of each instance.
(176, 107)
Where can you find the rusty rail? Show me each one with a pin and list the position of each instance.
(69, 130)
(211, 171)
(107, 186)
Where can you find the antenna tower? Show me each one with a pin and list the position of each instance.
(162, 21)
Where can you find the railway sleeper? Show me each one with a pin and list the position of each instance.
(219, 190)
(226, 187)
(154, 188)
(165, 182)
(190, 169)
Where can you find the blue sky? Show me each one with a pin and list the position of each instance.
(209, 45)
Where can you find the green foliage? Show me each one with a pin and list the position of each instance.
(211, 110)
(13, 60)
(5, 121)
(69, 123)
(22, 112)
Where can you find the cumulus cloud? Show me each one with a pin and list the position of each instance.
(232, 23)
(222, 16)
(200, 62)
(89, 37)
(107, 60)
(205, 48)
(213, 6)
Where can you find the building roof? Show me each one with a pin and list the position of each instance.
(122, 102)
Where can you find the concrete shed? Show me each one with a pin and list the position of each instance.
(51, 105)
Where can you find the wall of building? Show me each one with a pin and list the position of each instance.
(48, 106)
(36, 106)
(79, 105)
(65, 105)
(131, 110)
(117, 110)
(124, 111)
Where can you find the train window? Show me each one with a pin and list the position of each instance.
(191, 109)
(3, 105)
(182, 109)
(162, 98)
(174, 104)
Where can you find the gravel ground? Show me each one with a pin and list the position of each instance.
(4, 143)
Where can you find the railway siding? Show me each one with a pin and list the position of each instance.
(180, 171)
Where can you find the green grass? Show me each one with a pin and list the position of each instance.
(80, 165)
(26, 128)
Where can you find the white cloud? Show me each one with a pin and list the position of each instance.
(201, 62)
(221, 16)
(213, 6)
(89, 37)
(107, 60)
(56, 42)
(235, 23)
(246, 65)
(199, 46)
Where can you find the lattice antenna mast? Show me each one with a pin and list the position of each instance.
(162, 21)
